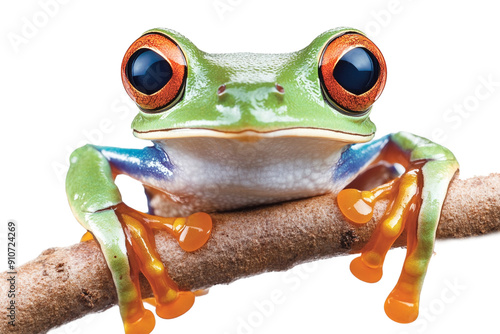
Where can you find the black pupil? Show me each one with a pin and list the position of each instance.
(147, 71)
(357, 71)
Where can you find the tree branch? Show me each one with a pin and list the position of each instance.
(64, 284)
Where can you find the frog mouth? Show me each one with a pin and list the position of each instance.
(253, 135)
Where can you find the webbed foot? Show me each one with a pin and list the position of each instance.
(415, 201)
(404, 194)
(191, 232)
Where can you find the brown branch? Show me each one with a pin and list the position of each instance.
(64, 284)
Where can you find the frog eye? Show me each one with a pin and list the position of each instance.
(154, 72)
(352, 72)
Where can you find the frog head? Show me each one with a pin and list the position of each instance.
(325, 90)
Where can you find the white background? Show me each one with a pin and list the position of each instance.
(61, 88)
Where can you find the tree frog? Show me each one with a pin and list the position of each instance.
(231, 131)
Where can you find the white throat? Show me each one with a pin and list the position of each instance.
(218, 174)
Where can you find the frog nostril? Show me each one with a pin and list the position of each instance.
(279, 88)
(221, 89)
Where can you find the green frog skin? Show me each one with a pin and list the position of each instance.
(232, 131)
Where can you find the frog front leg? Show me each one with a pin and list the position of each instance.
(125, 235)
(416, 198)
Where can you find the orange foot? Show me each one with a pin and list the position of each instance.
(357, 206)
(191, 233)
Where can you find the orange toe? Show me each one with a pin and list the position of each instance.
(177, 307)
(399, 310)
(143, 325)
(355, 206)
(364, 272)
(195, 232)
(87, 236)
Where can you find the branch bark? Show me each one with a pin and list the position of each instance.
(64, 284)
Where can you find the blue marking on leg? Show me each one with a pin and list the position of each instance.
(356, 158)
(149, 162)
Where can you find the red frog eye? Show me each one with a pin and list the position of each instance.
(352, 72)
(154, 72)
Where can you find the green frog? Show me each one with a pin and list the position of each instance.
(231, 131)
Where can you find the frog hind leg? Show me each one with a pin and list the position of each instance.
(191, 232)
(416, 198)
(170, 302)
(126, 236)
(154, 195)
(136, 319)
(402, 303)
